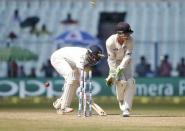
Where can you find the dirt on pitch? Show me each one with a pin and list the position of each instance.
(48, 120)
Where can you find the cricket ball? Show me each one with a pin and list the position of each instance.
(46, 84)
(93, 2)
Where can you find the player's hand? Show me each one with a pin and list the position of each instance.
(119, 72)
(110, 80)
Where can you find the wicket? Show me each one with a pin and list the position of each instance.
(85, 95)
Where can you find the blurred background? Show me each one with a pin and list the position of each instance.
(30, 30)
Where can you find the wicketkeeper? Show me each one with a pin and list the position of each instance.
(68, 62)
(119, 48)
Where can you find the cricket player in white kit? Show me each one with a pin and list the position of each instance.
(68, 62)
(119, 49)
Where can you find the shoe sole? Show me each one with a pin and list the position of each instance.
(126, 116)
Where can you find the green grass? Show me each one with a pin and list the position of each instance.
(47, 120)
(107, 102)
(37, 114)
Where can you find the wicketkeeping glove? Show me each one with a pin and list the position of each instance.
(119, 72)
(110, 80)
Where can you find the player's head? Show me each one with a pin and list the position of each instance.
(123, 29)
(94, 55)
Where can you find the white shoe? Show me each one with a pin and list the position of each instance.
(65, 110)
(57, 103)
(126, 113)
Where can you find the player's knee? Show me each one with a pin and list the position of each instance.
(74, 83)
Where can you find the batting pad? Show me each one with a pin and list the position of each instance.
(69, 92)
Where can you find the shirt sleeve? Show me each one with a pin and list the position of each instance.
(127, 58)
(111, 55)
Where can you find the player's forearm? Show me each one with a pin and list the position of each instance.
(112, 64)
(111, 55)
(125, 62)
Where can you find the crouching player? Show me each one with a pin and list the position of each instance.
(119, 49)
(68, 62)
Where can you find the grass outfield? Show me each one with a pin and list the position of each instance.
(28, 116)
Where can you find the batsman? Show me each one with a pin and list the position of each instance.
(119, 49)
(68, 62)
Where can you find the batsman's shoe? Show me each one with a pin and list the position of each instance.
(126, 113)
(65, 110)
(57, 103)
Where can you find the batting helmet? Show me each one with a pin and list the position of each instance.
(94, 54)
(123, 27)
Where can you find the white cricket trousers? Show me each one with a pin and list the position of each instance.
(71, 76)
(125, 91)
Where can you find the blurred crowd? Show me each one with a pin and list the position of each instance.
(142, 69)
(14, 70)
(165, 69)
(31, 22)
